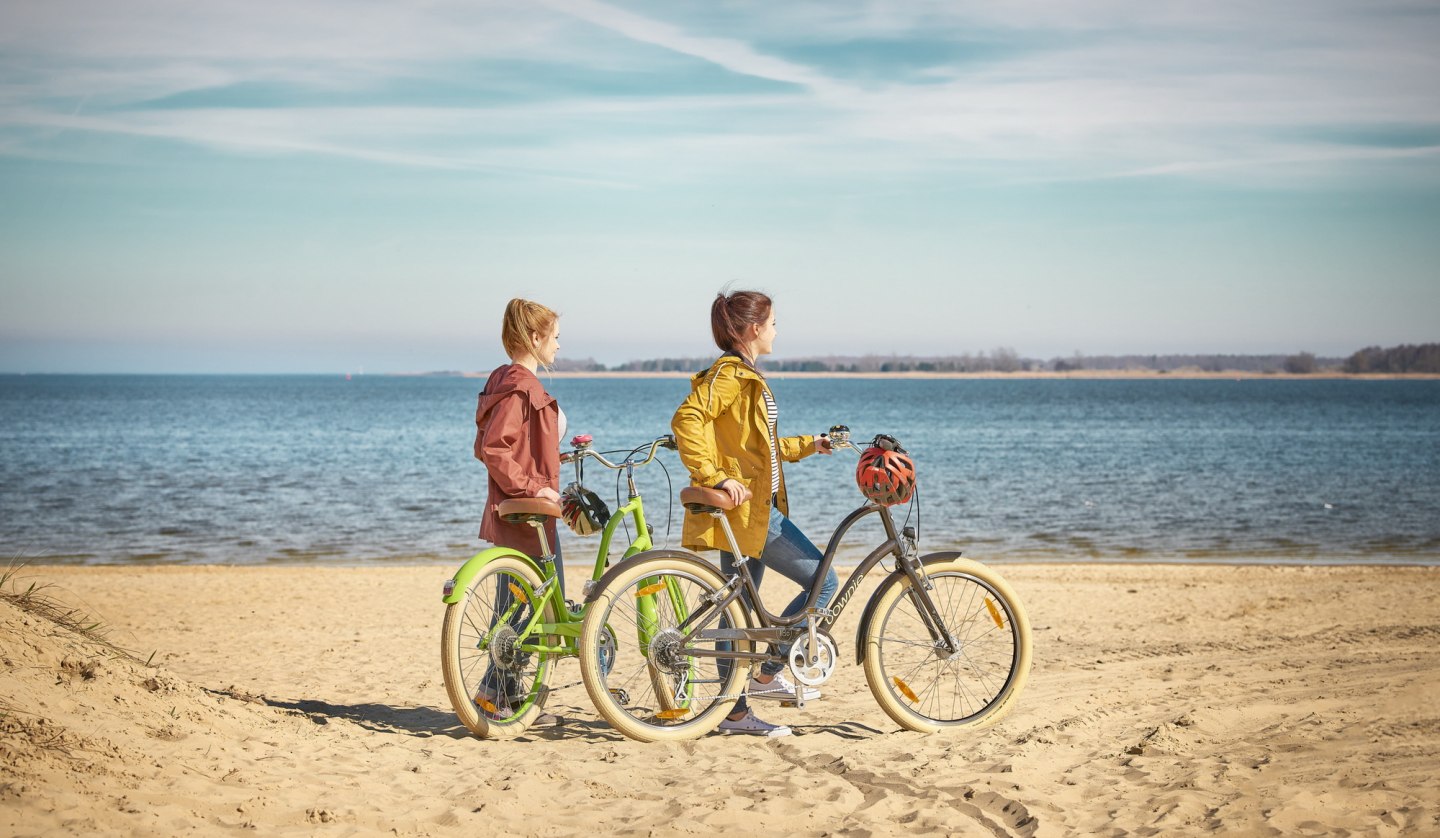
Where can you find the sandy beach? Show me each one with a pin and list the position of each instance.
(299, 700)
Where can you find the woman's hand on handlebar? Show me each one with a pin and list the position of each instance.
(823, 446)
(736, 490)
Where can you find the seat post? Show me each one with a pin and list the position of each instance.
(538, 523)
(740, 558)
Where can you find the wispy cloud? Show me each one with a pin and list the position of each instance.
(731, 54)
(322, 31)
(299, 131)
(1081, 90)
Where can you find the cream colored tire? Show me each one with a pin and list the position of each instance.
(464, 665)
(634, 694)
(919, 686)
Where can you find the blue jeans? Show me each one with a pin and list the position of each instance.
(795, 557)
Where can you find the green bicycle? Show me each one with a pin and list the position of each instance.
(506, 619)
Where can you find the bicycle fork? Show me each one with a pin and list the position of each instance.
(946, 644)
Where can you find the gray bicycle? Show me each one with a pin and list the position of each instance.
(944, 640)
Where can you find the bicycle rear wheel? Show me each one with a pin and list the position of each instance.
(919, 684)
(653, 690)
(496, 684)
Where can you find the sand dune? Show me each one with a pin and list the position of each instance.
(307, 700)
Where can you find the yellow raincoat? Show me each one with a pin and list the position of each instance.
(722, 433)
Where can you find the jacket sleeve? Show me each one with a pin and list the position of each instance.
(691, 426)
(796, 448)
(480, 419)
(503, 451)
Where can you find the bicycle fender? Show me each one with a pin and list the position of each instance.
(894, 578)
(621, 565)
(460, 582)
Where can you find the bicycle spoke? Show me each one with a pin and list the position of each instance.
(653, 678)
(937, 685)
(495, 672)
(498, 612)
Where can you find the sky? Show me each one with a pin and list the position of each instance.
(346, 185)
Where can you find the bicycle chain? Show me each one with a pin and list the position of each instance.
(733, 697)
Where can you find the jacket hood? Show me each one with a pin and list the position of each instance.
(506, 381)
(729, 359)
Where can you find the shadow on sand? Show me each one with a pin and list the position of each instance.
(428, 721)
(380, 718)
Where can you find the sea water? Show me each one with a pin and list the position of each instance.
(246, 469)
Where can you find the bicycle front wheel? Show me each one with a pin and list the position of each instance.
(494, 674)
(637, 649)
(922, 685)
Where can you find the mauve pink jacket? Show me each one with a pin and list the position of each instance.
(518, 439)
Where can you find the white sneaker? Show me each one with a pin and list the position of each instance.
(749, 724)
(779, 689)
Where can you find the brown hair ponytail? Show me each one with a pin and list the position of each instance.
(731, 314)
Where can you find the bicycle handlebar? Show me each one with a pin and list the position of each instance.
(838, 437)
(666, 441)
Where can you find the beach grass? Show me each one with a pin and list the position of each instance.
(40, 599)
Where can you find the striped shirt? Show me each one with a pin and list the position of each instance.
(772, 416)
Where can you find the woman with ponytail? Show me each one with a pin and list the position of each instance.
(728, 438)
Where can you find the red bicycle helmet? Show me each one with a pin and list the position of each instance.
(886, 474)
(583, 510)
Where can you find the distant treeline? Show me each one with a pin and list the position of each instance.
(1397, 359)
(1001, 360)
(1401, 359)
(1303, 362)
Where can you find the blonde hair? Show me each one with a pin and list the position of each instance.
(523, 319)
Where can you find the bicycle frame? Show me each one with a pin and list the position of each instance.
(566, 627)
(679, 680)
(775, 629)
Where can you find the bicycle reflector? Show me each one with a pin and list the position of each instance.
(583, 510)
(886, 474)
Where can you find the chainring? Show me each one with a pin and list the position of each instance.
(813, 668)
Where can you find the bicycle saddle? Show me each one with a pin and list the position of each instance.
(700, 499)
(521, 510)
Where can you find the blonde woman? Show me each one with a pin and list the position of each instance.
(518, 428)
